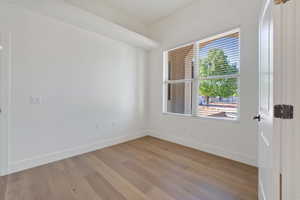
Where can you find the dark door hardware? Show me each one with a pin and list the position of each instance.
(257, 117)
(284, 111)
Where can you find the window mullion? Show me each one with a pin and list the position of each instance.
(196, 81)
(165, 78)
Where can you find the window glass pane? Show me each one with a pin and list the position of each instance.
(219, 56)
(218, 98)
(180, 63)
(179, 99)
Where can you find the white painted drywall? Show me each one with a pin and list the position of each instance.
(113, 14)
(4, 99)
(147, 11)
(235, 140)
(72, 90)
(74, 15)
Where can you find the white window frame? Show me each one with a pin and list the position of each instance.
(196, 80)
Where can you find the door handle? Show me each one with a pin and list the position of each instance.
(257, 117)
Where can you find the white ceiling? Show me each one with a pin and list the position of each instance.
(148, 11)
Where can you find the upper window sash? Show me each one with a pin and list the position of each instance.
(196, 76)
(176, 59)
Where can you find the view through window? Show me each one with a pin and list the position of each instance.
(202, 78)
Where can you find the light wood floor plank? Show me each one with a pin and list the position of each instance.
(225, 175)
(3, 184)
(147, 168)
(196, 184)
(116, 162)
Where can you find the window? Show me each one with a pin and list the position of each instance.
(202, 78)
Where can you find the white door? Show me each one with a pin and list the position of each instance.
(279, 78)
(267, 139)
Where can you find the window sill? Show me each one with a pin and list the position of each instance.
(237, 120)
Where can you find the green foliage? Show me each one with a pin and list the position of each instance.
(216, 64)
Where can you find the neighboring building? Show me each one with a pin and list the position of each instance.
(180, 67)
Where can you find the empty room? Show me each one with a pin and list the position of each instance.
(149, 99)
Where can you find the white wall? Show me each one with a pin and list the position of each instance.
(91, 89)
(102, 9)
(235, 140)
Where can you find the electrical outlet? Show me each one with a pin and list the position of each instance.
(99, 126)
(35, 100)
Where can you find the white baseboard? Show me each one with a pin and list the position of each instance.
(298, 196)
(206, 148)
(56, 156)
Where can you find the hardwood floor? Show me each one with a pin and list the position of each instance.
(2, 187)
(147, 168)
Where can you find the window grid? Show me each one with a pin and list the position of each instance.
(196, 78)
